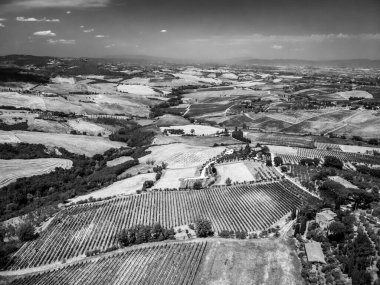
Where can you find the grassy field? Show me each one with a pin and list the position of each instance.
(11, 170)
(87, 145)
(257, 262)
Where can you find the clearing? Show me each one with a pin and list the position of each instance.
(260, 262)
(123, 187)
(171, 178)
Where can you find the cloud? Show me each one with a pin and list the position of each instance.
(163, 31)
(60, 3)
(82, 27)
(2, 19)
(99, 36)
(110, 45)
(68, 12)
(45, 33)
(61, 41)
(277, 46)
(2, 25)
(88, 31)
(44, 19)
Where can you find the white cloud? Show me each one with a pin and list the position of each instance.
(277, 46)
(110, 45)
(163, 31)
(88, 31)
(99, 36)
(44, 19)
(61, 41)
(60, 3)
(2, 19)
(45, 33)
(68, 12)
(2, 25)
(82, 27)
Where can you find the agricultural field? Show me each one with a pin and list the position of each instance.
(171, 178)
(80, 228)
(171, 120)
(245, 171)
(87, 145)
(260, 262)
(119, 160)
(11, 170)
(198, 130)
(166, 263)
(181, 155)
(126, 186)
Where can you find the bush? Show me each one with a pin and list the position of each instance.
(332, 161)
(26, 232)
(277, 161)
(203, 228)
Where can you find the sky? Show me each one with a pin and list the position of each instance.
(192, 29)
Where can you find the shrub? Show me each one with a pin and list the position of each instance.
(332, 161)
(203, 228)
(26, 232)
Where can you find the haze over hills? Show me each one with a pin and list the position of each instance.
(145, 59)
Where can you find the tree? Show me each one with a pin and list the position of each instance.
(197, 185)
(337, 230)
(203, 228)
(228, 181)
(26, 232)
(277, 161)
(192, 131)
(332, 161)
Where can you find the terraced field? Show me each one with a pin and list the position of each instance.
(171, 263)
(80, 228)
(11, 170)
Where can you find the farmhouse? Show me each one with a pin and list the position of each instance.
(314, 252)
(325, 218)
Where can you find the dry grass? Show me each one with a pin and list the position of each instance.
(123, 187)
(171, 177)
(237, 172)
(261, 262)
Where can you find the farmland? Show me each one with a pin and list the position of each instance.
(181, 155)
(87, 145)
(170, 172)
(11, 170)
(172, 263)
(96, 225)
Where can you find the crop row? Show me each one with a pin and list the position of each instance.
(172, 263)
(344, 156)
(87, 227)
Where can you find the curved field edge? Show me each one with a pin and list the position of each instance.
(87, 227)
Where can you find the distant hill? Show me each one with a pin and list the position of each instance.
(86, 65)
(352, 63)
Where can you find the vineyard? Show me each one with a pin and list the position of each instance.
(172, 263)
(328, 146)
(87, 227)
(344, 156)
(11, 170)
(294, 155)
(285, 140)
